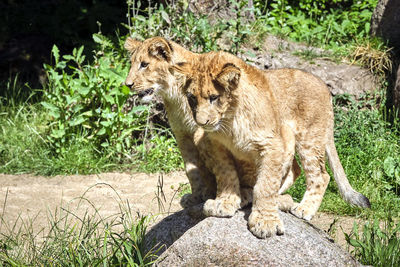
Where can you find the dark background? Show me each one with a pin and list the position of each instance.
(28, 30)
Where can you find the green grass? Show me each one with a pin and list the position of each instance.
(24, 148)
(85, 239)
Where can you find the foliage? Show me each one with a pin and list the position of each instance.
(183, 189)
(159, 153)
(73, 239)
(24, 148)
(87, 100)
(376, 245)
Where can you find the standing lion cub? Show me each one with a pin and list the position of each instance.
(263, 117)
(150, 74)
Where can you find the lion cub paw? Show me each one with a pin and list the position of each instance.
(301, 211)
(190, 200)
(221, 207)
(285, 202)
(263, 226)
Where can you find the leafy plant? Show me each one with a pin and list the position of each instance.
(86, 101)
(391, 167)
(375, 245)
(159, 153)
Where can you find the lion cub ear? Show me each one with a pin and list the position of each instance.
(181, 70)
(131, 45)
(161, 49)
(229, 77)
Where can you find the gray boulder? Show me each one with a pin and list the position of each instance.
(213, 241)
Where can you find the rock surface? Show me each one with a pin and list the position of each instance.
(385, 21)
(228, 242)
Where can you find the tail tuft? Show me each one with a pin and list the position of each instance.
(357, 199)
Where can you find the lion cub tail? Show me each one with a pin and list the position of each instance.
(346, 191)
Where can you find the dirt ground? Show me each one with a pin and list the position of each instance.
(29, 198)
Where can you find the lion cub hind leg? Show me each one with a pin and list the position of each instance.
(285, 202)
(293, 173)
(317, 179)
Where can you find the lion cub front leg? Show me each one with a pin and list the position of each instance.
(228, 197)
(264, 220)
(201, 180)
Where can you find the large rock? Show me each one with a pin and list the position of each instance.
(385, 21)
(228, 242)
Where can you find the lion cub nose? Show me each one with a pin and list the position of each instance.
(129, 83)
(202, 123)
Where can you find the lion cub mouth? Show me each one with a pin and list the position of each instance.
(146, 96)
(212, 128)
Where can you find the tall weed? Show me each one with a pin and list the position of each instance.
(376, 245)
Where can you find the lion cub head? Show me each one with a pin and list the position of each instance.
(210, 91)
(150, 61)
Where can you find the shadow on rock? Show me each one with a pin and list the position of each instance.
(172, 227)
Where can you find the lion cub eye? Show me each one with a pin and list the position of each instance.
(213, 98)
(143, 65)
(191, 99)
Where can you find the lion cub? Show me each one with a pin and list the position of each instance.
(263, 117)
(150, 74)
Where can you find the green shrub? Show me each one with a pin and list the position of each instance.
(85, 101)
(183, 27)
